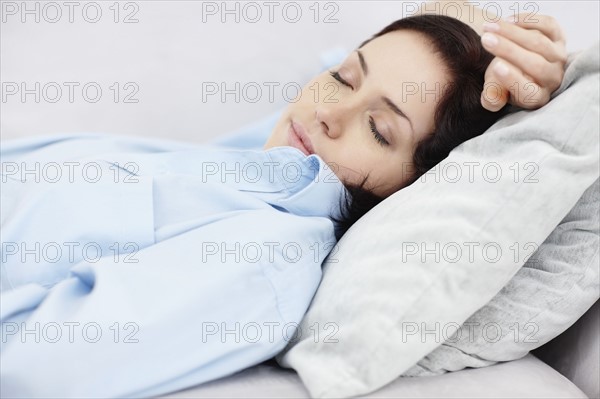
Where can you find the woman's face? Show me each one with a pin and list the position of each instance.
(374, 124)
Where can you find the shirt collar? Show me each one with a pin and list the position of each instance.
(312, 186)
(283, 177)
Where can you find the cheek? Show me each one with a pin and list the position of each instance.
(401, 171)
(386, 171)
(353, 162)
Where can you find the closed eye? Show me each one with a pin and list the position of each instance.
(337, 77)
(378, 136)
(376, 133)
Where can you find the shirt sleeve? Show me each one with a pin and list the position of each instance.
(190, 309)
(221, 273)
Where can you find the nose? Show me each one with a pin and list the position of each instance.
(334, 116)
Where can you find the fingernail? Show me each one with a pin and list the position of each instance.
(491, 27)
(489, 39)
(501, 69)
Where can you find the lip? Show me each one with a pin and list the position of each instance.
(298, 138)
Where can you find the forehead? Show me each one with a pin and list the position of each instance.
(405, 68)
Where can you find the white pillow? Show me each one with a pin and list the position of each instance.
(553, 289)
(358, 334)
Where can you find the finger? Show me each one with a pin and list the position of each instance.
(533, 40)
(521, 90)
(546, 24)
(530, 63)
(494, 95)
(493, 100)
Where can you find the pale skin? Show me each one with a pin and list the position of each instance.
(533, 50)
(340, 128)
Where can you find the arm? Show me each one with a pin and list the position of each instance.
(191, 309)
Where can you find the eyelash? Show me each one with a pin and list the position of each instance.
(380, 139)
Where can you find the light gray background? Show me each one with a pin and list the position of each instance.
(171, 51)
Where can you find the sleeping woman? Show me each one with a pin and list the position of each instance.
(136, 267)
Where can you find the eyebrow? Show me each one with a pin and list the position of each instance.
(386, 100)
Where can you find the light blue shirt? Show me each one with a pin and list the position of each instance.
(136, 267)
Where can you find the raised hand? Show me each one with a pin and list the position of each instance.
(530, 61)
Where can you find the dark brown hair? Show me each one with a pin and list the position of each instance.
(459, 115)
